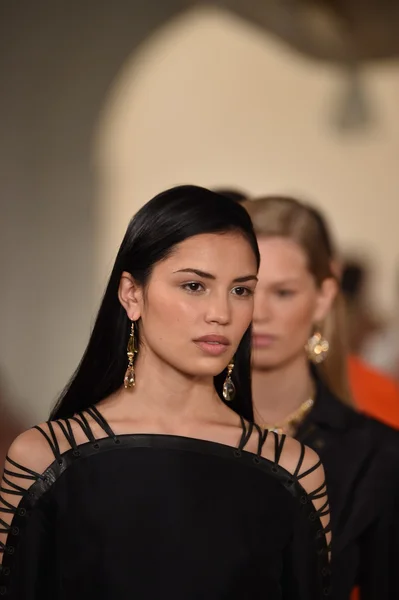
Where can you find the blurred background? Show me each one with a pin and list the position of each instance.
(103, 105)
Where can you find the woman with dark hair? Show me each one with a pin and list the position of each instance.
(147, 482)
(301, 388)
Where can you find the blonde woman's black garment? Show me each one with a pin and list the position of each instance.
(160, 516)
(361, 461)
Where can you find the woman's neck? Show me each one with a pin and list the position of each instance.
(164, 394)
(279, 392)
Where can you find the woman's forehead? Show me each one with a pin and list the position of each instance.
(212, 252)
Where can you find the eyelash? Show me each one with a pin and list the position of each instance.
(185, 286)
(248, 291)
(285, 293)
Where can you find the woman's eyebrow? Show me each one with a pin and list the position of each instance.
(206, 275)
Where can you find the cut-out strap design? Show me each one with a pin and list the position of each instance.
(310, 470)
(279, 442)
(319, 498)
(247, 429)
(299, 472)
(300, 462)
(85, 427)
(323, 511)
(66, 428)
(52, 441)
(262, 435)
(61, 436)
(99, 419)
(66, 432)
(317, 495)
(26, 477)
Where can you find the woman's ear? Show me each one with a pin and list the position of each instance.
(336, 268)
(130, 296)
(326, 296)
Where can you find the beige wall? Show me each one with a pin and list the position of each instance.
(211, 100)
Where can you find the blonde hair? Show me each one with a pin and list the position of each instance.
(287, 217)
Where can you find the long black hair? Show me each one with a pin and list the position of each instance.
(166, 220)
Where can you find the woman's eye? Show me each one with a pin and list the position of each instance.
(193, 286)
(242, 291)
(285, 293)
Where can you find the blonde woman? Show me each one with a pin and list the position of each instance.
(300, 388)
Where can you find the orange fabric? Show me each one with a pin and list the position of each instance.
(374, 393)
(355, 595)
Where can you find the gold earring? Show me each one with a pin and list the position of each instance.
(317, 348)
(229, 389)
(130, 377)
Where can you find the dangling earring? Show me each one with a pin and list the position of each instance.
(317, 348)
(130, 378)
(229, 389)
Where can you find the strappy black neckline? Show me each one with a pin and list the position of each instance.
(42, 482)
(81, 419)
(190, 443)
(248, 429)
(76, 449)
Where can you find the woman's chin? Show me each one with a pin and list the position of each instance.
(264, 360)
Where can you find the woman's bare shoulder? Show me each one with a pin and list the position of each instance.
(31, 449)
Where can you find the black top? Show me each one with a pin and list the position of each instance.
(149, 516)
(361, 461)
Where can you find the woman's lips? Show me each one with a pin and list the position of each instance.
(215, 345)
(263, 341)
